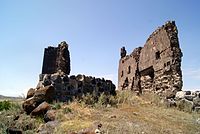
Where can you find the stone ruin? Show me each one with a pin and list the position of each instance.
(155, 67)
(55, 84)
(56, 59)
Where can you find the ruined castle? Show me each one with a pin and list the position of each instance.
(55, 83)
(156, 66)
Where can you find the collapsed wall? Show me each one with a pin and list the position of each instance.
(156, 67)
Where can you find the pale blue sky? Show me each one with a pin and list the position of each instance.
(95, 31)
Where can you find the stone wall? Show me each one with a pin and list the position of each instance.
(69, 87)
(156, 67)
(187, 101)
(55, 84)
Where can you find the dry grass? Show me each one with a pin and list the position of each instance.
(132, 115)
(24, 122)
(127, 114)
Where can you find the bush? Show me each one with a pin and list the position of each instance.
(5, 105)
(105, 100)
(88, 99)
(56, 106)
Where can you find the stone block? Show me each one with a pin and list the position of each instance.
(185, 105)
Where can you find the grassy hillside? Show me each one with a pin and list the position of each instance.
(132, 115)
(125, 114)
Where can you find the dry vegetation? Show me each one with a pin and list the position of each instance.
(129, 114)
(124, 114)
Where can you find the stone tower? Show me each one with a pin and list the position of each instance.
(156, 67)
(56, 59)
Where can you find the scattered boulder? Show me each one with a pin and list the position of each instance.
(13, 131)
(196, 101)
(41, 109)
(40, 95)
(187, 92)
(46, 80)
(185, 105)
(30, 93)
(45, 94)
(29, 105)
(197, 110)
(180, 95)
(48, 127)
(170, 103)
(190, 97)
(50, 115)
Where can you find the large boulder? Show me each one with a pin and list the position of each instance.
(45, 94)
(40, 95)
(197, 110)
(50, 115)
(196, 101)
(46, 80)
(185, 105)
(30, 104)
(48, 127)
(41, 109)
(190, 97)
(180, 95)
(11, 130)
(30, 93)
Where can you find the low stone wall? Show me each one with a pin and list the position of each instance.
(67, 87)
(61, 87)
(188, 101)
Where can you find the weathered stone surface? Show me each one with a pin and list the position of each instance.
(190, 97)
(197, 109)
(180, 95)
(55, 84)
(13, 131)
(170, 103)
(75, 86)
(48, 127)
(45, 94)
(30, 93)
(185, 105)
(123, 52)
(30, 104)
(196, 101)
(41, 109)
(50, 115)
(56, 59)
(156, 67)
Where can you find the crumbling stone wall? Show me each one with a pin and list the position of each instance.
(56, 59)
(156, 67)
(55, 84)
(55, 71)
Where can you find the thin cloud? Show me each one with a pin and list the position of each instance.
(192, 73)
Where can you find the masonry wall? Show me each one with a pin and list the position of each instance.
(159, 65)
(56, 59)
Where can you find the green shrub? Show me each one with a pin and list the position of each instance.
(5, 105)
(56, 106)
(88, 99)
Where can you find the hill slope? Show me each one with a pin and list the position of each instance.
(134, 115)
